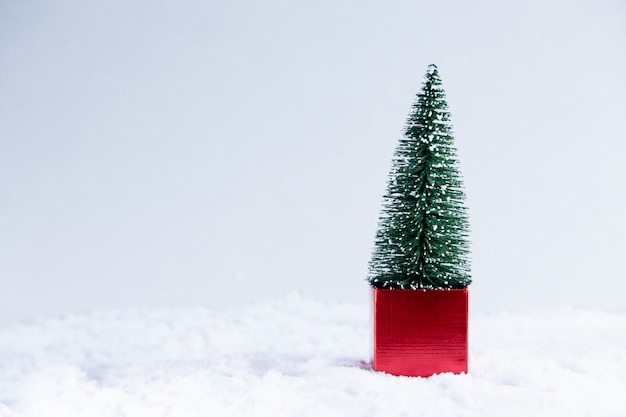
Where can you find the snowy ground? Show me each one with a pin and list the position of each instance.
(297, 357)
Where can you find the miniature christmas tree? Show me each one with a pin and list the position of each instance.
(422, 239)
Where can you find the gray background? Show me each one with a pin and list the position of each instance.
(211, 153)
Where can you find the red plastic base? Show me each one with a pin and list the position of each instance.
(420, 333)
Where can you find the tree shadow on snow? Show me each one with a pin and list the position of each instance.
(351, 363)
(261, 364)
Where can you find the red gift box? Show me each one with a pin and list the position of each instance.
(420, 332)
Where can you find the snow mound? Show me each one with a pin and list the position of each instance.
(298, 357)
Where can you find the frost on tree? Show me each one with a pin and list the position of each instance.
(422, 238)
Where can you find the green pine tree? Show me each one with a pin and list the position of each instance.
(422, 239)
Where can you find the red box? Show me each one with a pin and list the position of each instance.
(420, 333)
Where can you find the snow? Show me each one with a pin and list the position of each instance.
(294, 356)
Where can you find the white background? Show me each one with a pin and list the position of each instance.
(212, 153)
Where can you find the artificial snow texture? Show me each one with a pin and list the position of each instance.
(293, 356)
